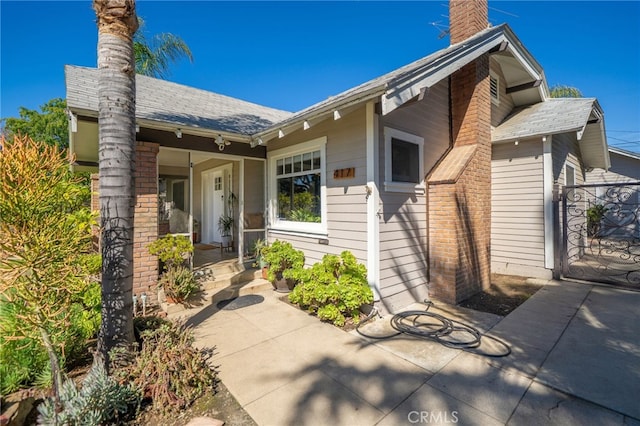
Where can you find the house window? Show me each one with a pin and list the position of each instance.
(297, 187)
(569, 175)
(404, 161)
(494, 83)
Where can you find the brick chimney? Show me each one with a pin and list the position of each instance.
(460, 187)
(466, 18)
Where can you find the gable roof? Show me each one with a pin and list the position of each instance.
(560, 115)
(169, 105)
(174, 104)
(414, 80)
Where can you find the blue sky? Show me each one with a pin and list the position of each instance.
(290, 55)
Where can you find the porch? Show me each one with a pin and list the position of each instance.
(217, 199)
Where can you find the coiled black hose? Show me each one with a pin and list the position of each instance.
(431, 326)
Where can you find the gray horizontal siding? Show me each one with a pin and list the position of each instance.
(346, 201)
(403, 216)
(623, 169)
(517, 217)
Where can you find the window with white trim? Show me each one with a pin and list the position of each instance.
(569, 175)
(494, 83)
(404, 161)
(297, 187)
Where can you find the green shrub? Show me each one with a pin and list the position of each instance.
(334, 288)
(24, 361)
(169, 370)
(46, 269)
(179, 283)
(172, 250)
(282, 259)
(101, 400)
(595, 213)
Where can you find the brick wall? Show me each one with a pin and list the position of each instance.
(145, 222)
(460, 187)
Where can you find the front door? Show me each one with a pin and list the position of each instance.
(213, 202)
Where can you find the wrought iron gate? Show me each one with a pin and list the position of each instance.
(601, 233)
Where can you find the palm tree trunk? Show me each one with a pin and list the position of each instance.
(117, 22)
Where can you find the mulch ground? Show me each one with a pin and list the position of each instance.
(506, 293)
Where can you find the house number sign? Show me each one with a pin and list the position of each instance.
(348, 173)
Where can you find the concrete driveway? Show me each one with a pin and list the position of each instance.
(575, 359)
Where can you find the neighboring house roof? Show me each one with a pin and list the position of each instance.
(175, 104)
(560, 115)
(414, 80)
(626, 153)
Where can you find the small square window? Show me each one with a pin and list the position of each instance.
(405, 164)
(404, 161)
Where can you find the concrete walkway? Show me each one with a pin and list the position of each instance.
(575, 360)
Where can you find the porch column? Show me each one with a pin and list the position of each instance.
(145, 221)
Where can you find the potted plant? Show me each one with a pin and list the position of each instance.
(282, 259)
(595, 214)
(225, 226)
(172, 250)
(258, 248)
(177, 281)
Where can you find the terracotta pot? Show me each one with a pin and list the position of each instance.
(265, 271)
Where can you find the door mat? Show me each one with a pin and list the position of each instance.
(240, 302)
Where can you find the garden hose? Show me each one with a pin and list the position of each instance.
(431, 326)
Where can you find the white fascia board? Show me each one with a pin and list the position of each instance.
(409, 86)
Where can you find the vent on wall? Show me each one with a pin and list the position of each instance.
(495, 89)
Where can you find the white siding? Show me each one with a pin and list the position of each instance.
(517, 209)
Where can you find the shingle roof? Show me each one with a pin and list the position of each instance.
(378, 85)
(545, 118)
(177, 104)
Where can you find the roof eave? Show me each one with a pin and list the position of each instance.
(171, 127)
(312, 114)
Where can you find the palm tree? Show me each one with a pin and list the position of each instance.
(561, 91)
(153, 57)
(117, 23)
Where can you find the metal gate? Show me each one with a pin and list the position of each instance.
(601, 233)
